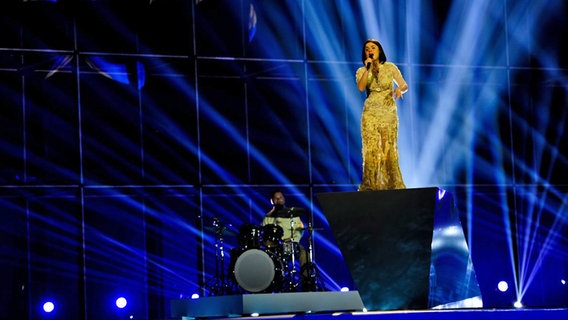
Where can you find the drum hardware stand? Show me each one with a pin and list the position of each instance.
(291, 284)
(309, 275)
(306, 279)
(219, 284)
(295, 280)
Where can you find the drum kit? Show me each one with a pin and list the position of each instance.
(264, 263)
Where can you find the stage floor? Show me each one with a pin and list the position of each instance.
(336, 305)
(478, 314)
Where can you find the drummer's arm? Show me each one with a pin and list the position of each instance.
(298, 224)
(267, 220)
(269, 214)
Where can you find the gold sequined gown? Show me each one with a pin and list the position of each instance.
(379, 130)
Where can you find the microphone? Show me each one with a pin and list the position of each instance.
(368, 63)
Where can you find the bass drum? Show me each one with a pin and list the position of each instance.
(258, 271)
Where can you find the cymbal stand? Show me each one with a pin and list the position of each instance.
(219, 286)
(310, 276)
(285, 255)
(292, 241)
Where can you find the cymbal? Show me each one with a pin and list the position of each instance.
(223, 230)
(290, 212)
(307, 229)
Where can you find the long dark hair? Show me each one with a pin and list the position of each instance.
(382, 56)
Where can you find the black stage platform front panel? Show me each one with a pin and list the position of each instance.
(267, 304)
(386, 238)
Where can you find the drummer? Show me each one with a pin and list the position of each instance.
(291, 224)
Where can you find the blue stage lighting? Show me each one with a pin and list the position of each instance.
(121, 302)
(48, 306)
(195, 296)
(252, 22)
(120, 72)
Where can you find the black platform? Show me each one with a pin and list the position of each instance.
(405, 249)
(267, 303)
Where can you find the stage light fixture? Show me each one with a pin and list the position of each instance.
(121, 302)
(503, 286)
(48, 306)
(345, 289)
(195, 296)
(518, 304)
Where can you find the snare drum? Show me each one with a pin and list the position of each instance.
(257, 270)
(289, 247)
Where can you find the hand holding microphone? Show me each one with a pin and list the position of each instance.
(369, 62)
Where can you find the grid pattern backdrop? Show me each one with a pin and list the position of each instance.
(128, 127)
